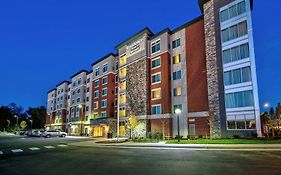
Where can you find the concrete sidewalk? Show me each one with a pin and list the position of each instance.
(164, 145)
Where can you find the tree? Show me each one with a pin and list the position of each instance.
(37, 116)
(132, 123)
(16, 110)
(23, 124)
(7, 118)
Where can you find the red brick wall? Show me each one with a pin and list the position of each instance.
(197, 91)
(201, 125)
(165, 84)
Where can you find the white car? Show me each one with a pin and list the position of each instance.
(54, 133)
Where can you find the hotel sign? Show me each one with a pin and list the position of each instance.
(136, 46)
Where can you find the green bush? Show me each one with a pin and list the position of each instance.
(236, 136)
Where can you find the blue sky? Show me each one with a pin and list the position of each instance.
(45, 42)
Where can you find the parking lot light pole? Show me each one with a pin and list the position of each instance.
(178, 112)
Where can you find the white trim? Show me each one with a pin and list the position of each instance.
(103, 67)
(154, 75)
(152, 90)
(154, 42)
(102, 91)
(152, 68)
(102, 80)
(97, 105)
(98, 94)
(104, 100)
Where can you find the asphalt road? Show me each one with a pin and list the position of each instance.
(144, 161)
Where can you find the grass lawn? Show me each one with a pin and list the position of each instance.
(225, 141)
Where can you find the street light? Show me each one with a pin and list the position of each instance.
(266, 105)
(178, 112)
(80, 107)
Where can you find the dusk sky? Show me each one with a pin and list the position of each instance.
(45, 42)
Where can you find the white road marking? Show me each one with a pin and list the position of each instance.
(17, 150)
(62, 145)
(34, 148)
(1, 152)
(49, 147)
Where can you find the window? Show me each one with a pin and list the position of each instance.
(234, 31)
(105, 67)
(88, 80)
(60, 105)
(104, 80)
(176, 43)
(72, 101)
(79, 81)
(156, 46)
(179, 106)
(156, 78)
(96, 94)
(177, 91)
(60, 98)
(231, 125)
(250, 124)
(78, 100)
(239, 99)
(96, 105)
(87, 108)
(88, 89)
(177, 59)
(104, 92)
(123, 85)
(73, 92)
(116, 65)
(240, 124)
(103, 114)
(237, 76)
(156, 63)
(177, 75)
(122, 72)
(103, 103)
(122, 112)
(233, 11)
(236, 53)
(78, 91)
(115, 102)
(116, 78)
(96, 115)
(156, 109)
(156, 94)
(122, 98)
(97, 82)
(123, 59)
(87, 99)
(61, 90)
(97, 71)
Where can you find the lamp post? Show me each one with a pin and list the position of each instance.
(178, 112)
(17, 120)
(31, 123)
(80, 107)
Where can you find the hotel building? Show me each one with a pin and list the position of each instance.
(206, 68)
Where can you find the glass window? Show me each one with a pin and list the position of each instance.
(96, 105)
(176, 43)
(177, 59)
(231, 125)
(104, 92)
(79, 81)
(240, 124)
(233, 11)
(104, 80)
(88, 80)
(97, 71)
(156, 94)
(239, 99)
(123, 60)
(103, 114)
(88, 89)
(104, 103)
(105, 67)
(236, 53)
(96, 94)
(177, 75)
(78, 100)
(235, 31)
(87, 99)
(87, 109)
(156, 109)
(97, 82)
(78, 91)
(156, 63)
(156, 78)
(96, 115)
(177, 91)
(250, 124)
(156, 46)
(237, 76)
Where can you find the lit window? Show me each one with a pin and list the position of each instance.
(156, 78)
(122, 98)
(156, 109)
(156, 63)
(177, 59)
(123, 85)
(96, 105)
(123, 60)
(96, 115)
(156, 94)
(177, 91)
(155, 46)
(122, 72)
(239, 99)
(176, 43)
(122, 112)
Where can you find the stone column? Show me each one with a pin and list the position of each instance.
(212, 69)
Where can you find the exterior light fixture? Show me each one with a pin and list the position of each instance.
(178, 112)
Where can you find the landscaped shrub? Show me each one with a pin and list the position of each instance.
(236, 136)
